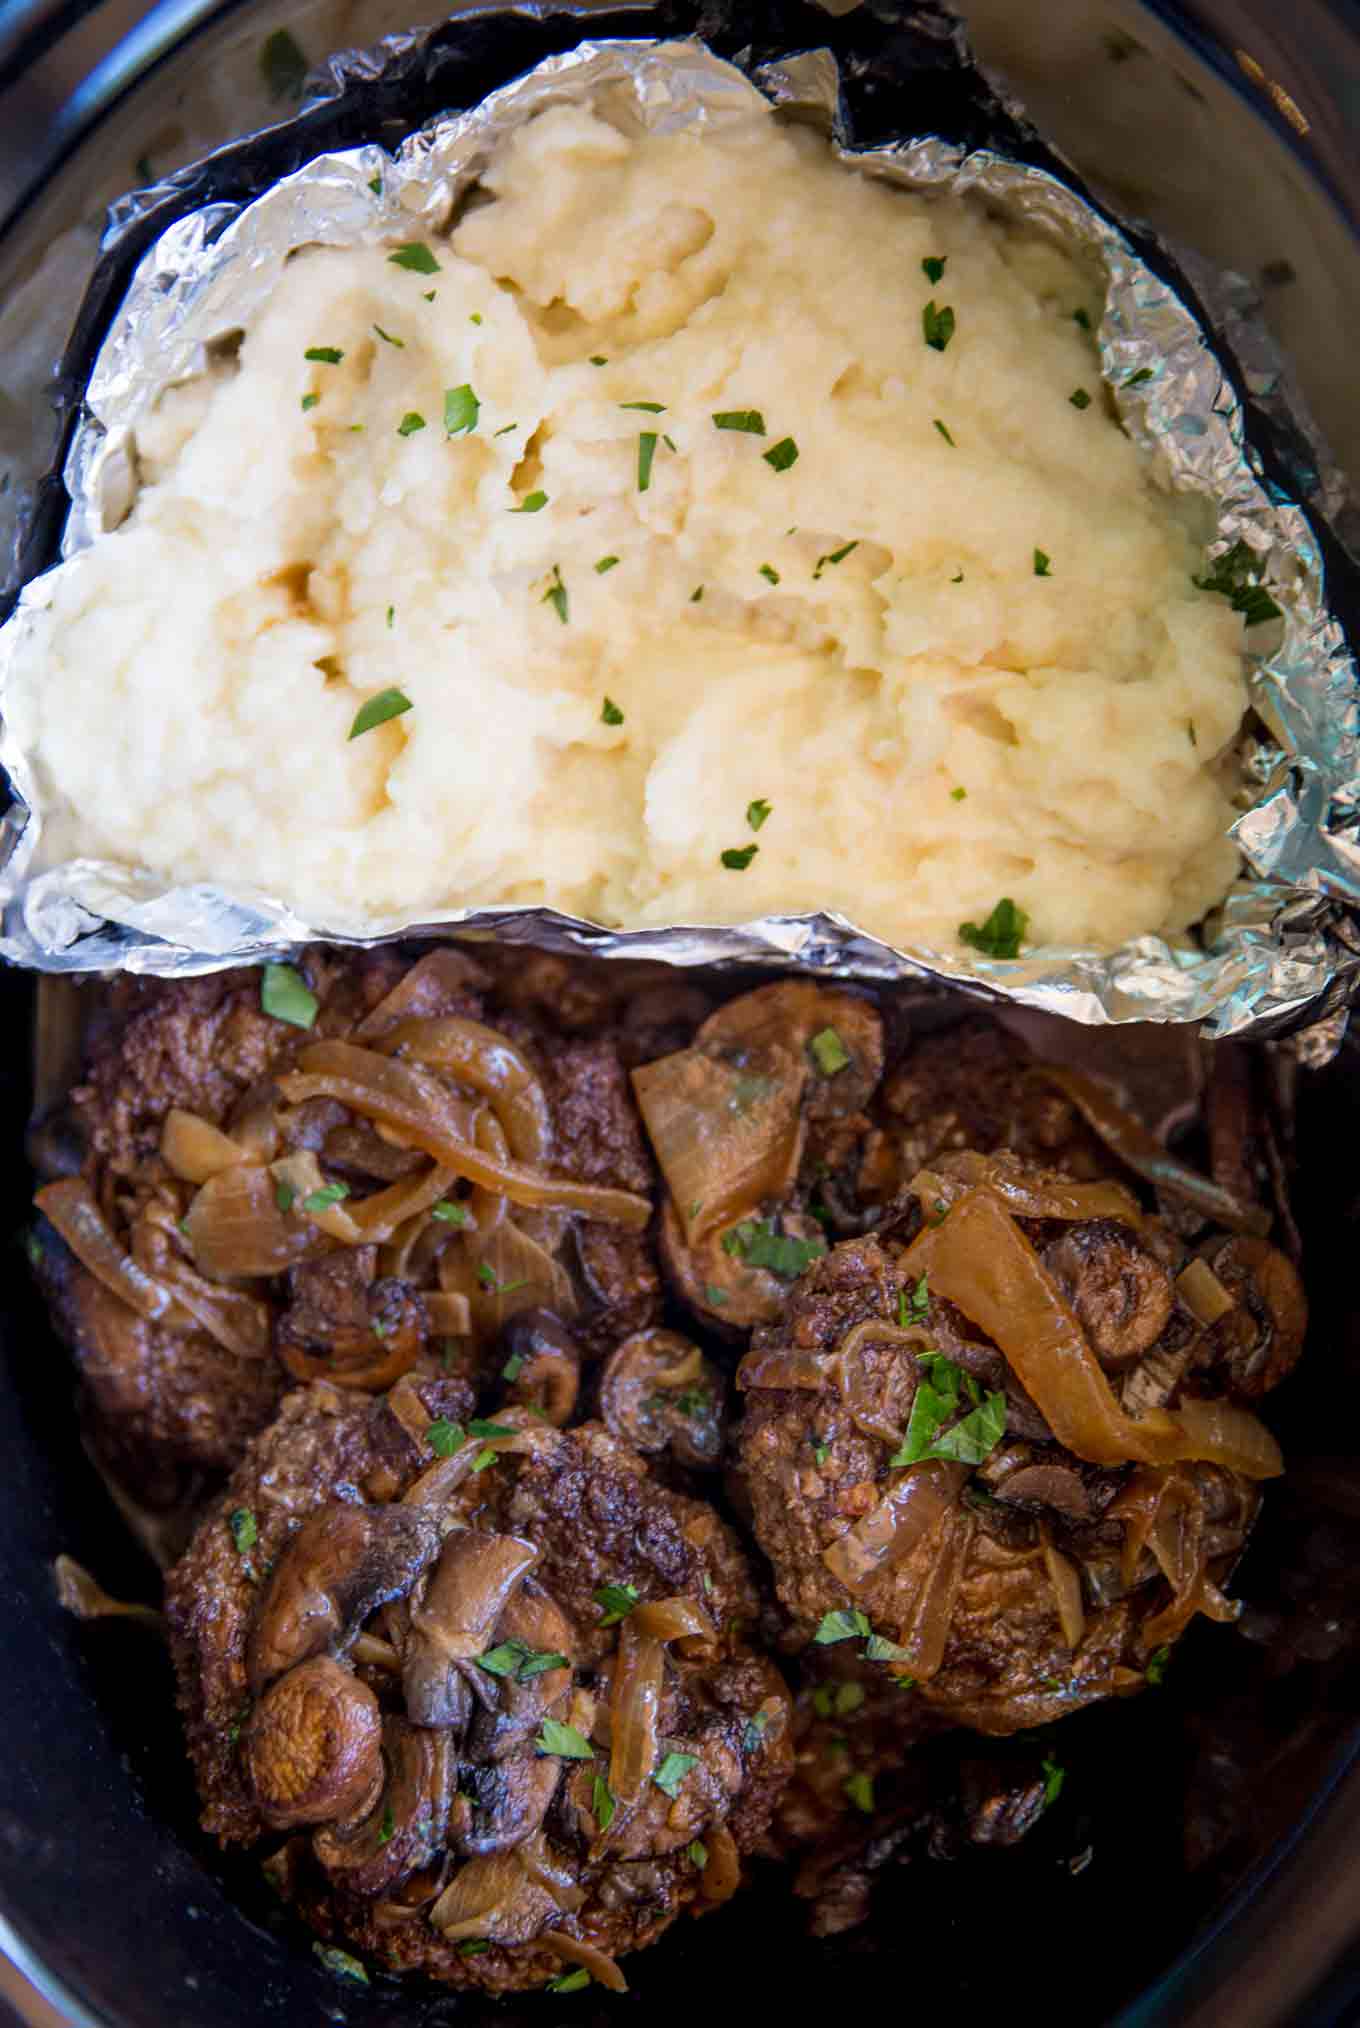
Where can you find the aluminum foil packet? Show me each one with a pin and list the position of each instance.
(1284, 949)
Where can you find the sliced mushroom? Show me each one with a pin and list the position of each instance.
(520, 1698)
(1121, 1292)
(343, 1562)
(542, 1365)
(510, 1800)
(1046, 1485)
(1259, 1341)
(408, 1823)
(312, 1746)
(496, 1897)
(825, 1022)
(719, 1283)
(658, 1392)
(999, 1805)
(452, 1624)
(343, 1320)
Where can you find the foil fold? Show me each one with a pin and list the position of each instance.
(1282, 950)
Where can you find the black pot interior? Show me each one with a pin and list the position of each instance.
(1174, 1802)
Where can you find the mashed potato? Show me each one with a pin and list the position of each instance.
(920, 634)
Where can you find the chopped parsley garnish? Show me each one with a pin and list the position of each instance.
(1083, 318)
(564, 1741)
(1191, 734)
(1137, 379)
(388, 339)
(1041, 564)
(834, 556)
(309, 401)
(616, 1602)
(645, 454)
(697, 1854)
(387, 1826)
(1055, 1774)
(1234, 576)
(602, 1802)
(976, 1437)
(757, 812)
(749, 420)
(769, 573)
(849, 1624)
(416, 256)
(513, 1366)
(610, 713)
(696, 595)
(879, 1649)
(284, 1194)
(756, 1242)
(957, 795)
(375, 185)
(859, 1789)
(284, 994)
(837, 1700)
(556, 595)
(341, 1963)
(505, 429)
(517, 1660)
(325, 355)
(391, 616)
(937, 326)
(322, 1200)
(1001, 935)
(532, 503)
(821, 1452)
(474, 318)
(598, 359)
(672, 1772)
(714, 1296)
(445, 1438)
(486, 1275)
(377, 710)
(913, 1304)
(957, 578)
(932, 267)
(668, 441)
(461, 410)
(782, 455)
(649, 407)
(605, 563)
(483, 1459)
(449, 1213)
(1155, 1672)
(282, 66)
(245, 1531)
(737, 858)
(412, 421)
(753, 1732)
(945, 434)
(569, 1982)
(1079, 398)
(828, 1052)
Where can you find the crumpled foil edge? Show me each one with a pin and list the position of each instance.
(1281, 950)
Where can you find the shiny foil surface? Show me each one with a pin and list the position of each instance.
(1282, 952)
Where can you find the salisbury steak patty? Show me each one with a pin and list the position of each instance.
(493, 1685)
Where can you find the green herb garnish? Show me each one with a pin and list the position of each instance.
(245, 1531)
(309, 401)
(737, 858)
(282, 66)
(1001, 935)
(672, 1772)
(945, 434)
(835, 556)
(1079, 398)
(937, 326)
(602, 1802)
(322, 1200)
(650, 407)
(646, 453)
(1155, 1672)
(415, 255)
(616, 1602)
(449, 1213)
(932, 267)
(828, 1052)
(756, 1242)
(859, 1789)
(769, 573)
(1137, 379)
(569, 1982)
(341, 1963)
(564, 1741)
(1055, 1775)
(284, 1194)
(1083, 318)
(697, 1854)
(556, 595)
(748, 420)
(610, 713)
(1235, 576)
(605, 563)
(461, 410)
(782, 455)
(445, 1438)
(848, 1624)
(518, 1661)
(387, 1827)
(412, 421)
(285, 995)
(388, 339)
(957, 795)
(325, 355)
(377, 710)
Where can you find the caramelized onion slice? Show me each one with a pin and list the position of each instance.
(234, 1226)
(914, 1504)
(238, 1322)
(1062, 1575)
(490, 1064)
(431, 1119)
(783, 1366)
(728, 1133)
(863, 1396)
(1203, 1293)
(193, 1149)
(70, 1206)
(302, 1175)
(721, 1877)
(926, 1634)
(1142, 1152)
(378, 1216)
(674, 1619)
(981, 1261)
(634, 1708)
(493, 1898)
(604, 1970)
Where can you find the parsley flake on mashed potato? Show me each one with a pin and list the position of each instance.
(874, 634)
